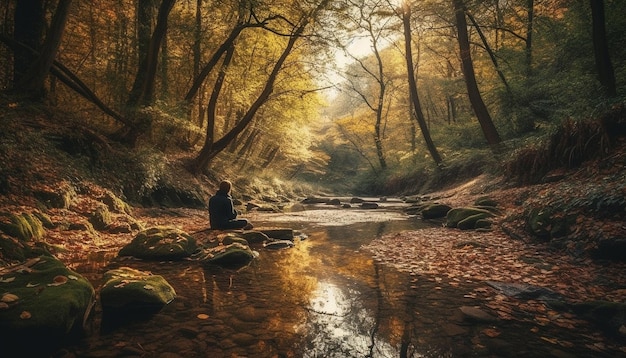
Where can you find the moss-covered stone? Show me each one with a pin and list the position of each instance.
(101, 218)
(61, 196)
(160, 243)
(128, 289)
(435, 211)
(548, 223)
(486, 201)
(232, 255)
(469, 222)
(43, 301)
(115, 204)
(24, 226)
(457, 215)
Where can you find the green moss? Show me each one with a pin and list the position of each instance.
(457, 215)
(160, 243)
(55, 298)
(126, 288)
(470, 222)
(435, 211)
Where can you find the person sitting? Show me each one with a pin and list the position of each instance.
(222, 214)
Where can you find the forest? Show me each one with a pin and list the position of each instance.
(319, 92)
(120, 118)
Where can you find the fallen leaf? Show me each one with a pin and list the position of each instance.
(25, 315)
(202, 316)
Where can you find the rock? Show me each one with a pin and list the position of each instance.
(546, 223)
(457, 215)
(369, 205)
(336, 202)
(279, 234)
(485, 201)
(232, 255)
(612, 248)
(526, 292)
(435, 211)
(470, 222)
(160, 243)
(254, 237)
(314, 200)
(356, 201)
(476, 314)
(45, 303)
(129, 290)
(278, 244)
(101, 218)
(60, 196)
(609, 316)
(23, 226)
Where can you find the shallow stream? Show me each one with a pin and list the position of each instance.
(325, 297)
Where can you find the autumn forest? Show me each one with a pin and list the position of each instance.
(318, 91)
(435, 178)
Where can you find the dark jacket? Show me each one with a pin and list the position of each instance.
(221, 210)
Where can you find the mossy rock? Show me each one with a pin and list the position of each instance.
(24, 226)
(61, 197)
(486, 201)
(483, 224)
(278, 234)
(609, 316)
(160, 243)
(254, 237)
(232, 255)
(547, 223)
(42, 302)
(469, 222)
(456, 215)
(101, 218)
(115, 204)
(435, 211)
(130, 290)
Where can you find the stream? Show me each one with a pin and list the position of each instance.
(325, 297)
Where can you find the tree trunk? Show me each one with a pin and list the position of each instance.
(604, 66)
(32, 83)
(143, 88)
(406, 20)
(480, 109)
(29, 22)
(529, 37)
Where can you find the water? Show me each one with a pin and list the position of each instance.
(323, 298)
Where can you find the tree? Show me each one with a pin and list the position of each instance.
(479, 107)
(29, 23)
(209, 149)
(32, 82)
(415, 102)
(604, 66)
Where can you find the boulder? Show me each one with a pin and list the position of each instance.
(279, 234)
(129, 290)
(369, 205)
(435, 211)
(160, 243)
(278, 244)
(23, 226)
(547, 223)
(486, 201)
(254, 237)
(457, 215)
(231, 255)
(470, 222)
(41, 303)
(610, 317)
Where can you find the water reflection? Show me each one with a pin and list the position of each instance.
(322, 298)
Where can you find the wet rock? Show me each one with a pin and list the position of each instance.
(278, 244)
(476, 314)
(279, 234)
(435, 211)
(451, 329)
(44, 303)
(526, 292)
(314, 200)
(335, 201)
(126, 289)
(369, 205)
(356, 201)
(231, 255)
(254, 237)
(160, 243)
